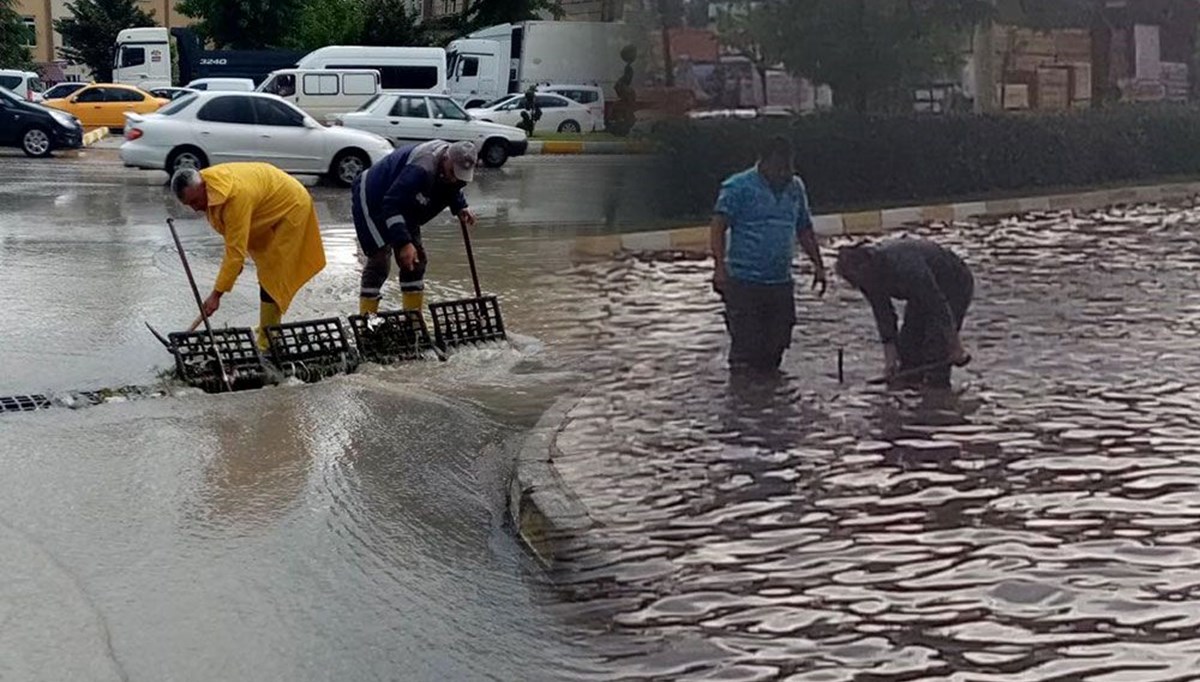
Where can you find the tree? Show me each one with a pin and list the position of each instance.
(387, 22)
(477, 14)
(89, 32)
(670, 15)
(14, 36)
(327, 22)
(739, 30)
(243, 24)
(870, 51)
(696, 13)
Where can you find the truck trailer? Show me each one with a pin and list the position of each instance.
(144, 57)
(508, 58)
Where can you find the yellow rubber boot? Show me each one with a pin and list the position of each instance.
(368, 306)
(269, 315)
(413, 300)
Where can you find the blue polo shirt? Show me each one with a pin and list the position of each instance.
(761, 241)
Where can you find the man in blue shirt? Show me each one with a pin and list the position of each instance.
(760, 215)
(391, 200)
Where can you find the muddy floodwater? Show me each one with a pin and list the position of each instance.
(347, 530)
(1038, 523)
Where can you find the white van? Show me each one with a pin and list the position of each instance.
(324, 92)
(400, 68)
(24, 84)
(230, 84)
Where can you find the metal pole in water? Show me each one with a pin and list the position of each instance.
(841, 367)
(200, 304)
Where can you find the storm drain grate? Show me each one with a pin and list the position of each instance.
(197, 364)
(312, 349)
(467, 321)
(391, 336)
(24, 403)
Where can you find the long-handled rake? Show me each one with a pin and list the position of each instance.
(216, 349)
(469, 320)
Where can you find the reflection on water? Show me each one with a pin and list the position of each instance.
(258, 469)
(1038, 522)
(349, 529)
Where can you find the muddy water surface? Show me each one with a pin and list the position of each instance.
(1037, 523)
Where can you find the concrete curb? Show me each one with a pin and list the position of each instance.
(610, 147)
(91, 138)
(878, 222)
(546, 515)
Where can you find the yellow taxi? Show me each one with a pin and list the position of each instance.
(105, 104)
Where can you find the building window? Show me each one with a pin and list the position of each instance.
(30, 30)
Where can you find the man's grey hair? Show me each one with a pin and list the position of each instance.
(184, 178)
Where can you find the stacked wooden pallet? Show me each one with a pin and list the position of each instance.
(1044, 70)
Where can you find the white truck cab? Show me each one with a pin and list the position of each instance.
(324, 92)
(143, 58)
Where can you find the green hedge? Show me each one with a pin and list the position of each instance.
(854, 161)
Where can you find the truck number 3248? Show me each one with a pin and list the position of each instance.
(213, 62)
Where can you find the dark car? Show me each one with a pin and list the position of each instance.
(35, 129)
(63, 90)
(171, 94)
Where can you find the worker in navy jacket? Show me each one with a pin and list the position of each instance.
(393, 199)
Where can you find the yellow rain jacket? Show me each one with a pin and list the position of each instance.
(266, 213)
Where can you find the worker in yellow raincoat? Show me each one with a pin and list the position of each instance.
(266, 214)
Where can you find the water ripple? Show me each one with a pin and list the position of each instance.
(1035, 524)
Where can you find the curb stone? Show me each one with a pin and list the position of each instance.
(882, 221)
(546, 514)
(91, 138)
(564, 147)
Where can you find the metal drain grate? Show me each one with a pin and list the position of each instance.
(197, 365)
(391, 336)
(24, 403)
(467, 321)
(312, 349)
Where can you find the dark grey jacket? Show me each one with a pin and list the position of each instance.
(923, 274)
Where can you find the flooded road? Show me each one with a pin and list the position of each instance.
(1036, 524)
(1039, 523)
(351, 529)
(86, 259)
(345, 530)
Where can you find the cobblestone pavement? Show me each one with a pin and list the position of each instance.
(1037, 523)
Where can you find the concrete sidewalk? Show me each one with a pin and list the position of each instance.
(878, 222)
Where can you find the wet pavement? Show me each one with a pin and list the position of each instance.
(1037, 523)
(346, 530)
(351, 529)
(86, 258)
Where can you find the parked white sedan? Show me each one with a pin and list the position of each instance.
(558, 113)
(208, 128)
(417, 116)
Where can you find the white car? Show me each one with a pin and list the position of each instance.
(208, 128)
(26, 84)
(590, 96)
(558, 113)
(416, 116)
(231, 84)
